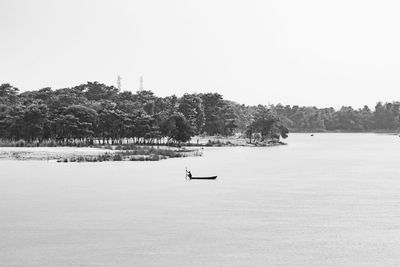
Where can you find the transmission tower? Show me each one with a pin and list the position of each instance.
(119, 82)
(141, 83)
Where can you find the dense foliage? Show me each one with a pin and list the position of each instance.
(95, 111)
(385, 117)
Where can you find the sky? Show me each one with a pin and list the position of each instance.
(318, 53)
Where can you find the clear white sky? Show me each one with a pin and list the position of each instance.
(323, 53)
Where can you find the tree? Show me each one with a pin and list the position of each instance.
(178, 128)
(35, 122)
(142, 125)
(8, 93)
(217, 111)
(366, 118)
(228, 119)
(146, 99)
(66, 127)
(97, 91)
(86, 120)
(113, 124)
(11, 121)
(266, 123)
(190, 105)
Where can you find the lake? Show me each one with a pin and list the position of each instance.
(326, 200)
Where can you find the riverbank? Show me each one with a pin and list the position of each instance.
(48, 153)
(87, 154)
(197, 141)
(393, 132)
(218, 141)
(80, 152)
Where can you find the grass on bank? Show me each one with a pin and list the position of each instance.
(135, 153)
(125, 146)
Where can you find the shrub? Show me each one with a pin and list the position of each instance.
(20, 143)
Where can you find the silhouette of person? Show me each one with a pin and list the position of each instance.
(189, 174)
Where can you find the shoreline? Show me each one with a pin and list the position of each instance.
(126, 152)
(129, 151)
(48, 153)
(373, 132)
(220, 141)
(90, 154)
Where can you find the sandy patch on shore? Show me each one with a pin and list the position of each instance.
(48, 153)
(229, 141)
(233, 140)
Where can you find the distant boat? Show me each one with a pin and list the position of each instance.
(189, 176)
(204, 178)
(312, 134)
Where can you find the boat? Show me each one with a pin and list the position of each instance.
(199, 178)
(204, 178)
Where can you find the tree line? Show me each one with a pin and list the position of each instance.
(95, 112)
(384, 117)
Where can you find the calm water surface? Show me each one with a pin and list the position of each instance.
(327, 200)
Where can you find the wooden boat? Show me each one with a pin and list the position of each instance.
(204, 178)
(199, 178)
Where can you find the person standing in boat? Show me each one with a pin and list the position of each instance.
(189, 174)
